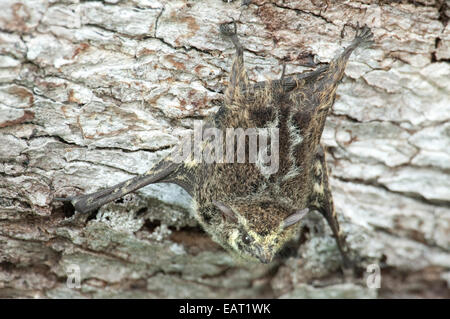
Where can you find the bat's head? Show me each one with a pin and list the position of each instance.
(256, 230)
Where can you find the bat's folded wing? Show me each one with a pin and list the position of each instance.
(164, 171)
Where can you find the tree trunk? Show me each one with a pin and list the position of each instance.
(92, 93)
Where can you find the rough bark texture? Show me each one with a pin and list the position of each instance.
(92, 93)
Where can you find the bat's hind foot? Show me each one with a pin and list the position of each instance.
(363, 35)
(227, 30)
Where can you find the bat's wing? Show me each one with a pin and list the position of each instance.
(165, 171)
(321, 200)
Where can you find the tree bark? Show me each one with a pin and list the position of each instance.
(92, 93)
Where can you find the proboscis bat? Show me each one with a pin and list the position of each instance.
(245, 209)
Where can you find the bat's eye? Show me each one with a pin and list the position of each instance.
(247, 239)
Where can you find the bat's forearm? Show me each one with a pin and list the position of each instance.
(89, 202)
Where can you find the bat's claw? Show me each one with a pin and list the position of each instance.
(226, 29)
(81, 203)
(363, 34)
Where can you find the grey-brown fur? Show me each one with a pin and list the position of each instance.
(239, 206)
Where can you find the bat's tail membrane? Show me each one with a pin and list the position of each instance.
(89, 202)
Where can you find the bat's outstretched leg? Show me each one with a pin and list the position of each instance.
(238, 76)
(337, 65)
(321, 84)
(323, 75)
(322, 200)
(162, 172)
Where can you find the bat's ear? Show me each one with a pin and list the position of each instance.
(227, 212)
(294, 218)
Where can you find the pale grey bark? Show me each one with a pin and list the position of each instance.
(92, 93)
